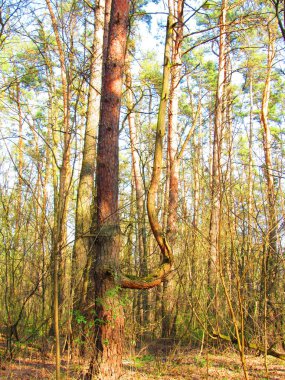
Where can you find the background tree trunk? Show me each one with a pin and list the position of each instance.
(86, 187)
(176, 8)
(216, 174)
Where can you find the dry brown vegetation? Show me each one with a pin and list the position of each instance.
(180, 363)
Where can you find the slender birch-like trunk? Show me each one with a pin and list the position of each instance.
(20, 158)
(271, 252)
(60, 212)
(176, 8)
(270, 257)
(139, 191)
(216, 194)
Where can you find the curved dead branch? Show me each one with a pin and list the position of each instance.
(159, 274)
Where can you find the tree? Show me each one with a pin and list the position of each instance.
(173, 154)
(109, 322)
(86, 189)
(211, 116)
(216, 174)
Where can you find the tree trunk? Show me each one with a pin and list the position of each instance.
(61, 206)
(176, 9)
(109, 320)
(216, 193)
(159, 274)
(20, 160)
(270, 264)
(86, 190)
(140, 193)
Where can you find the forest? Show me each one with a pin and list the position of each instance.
(142, 182)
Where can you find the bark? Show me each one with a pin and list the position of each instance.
(197, 172)
(43, 228)
(108, 4)
(86, 190)
(278, 13)
(109, 322)
(177, 9)
(250, 167)
(173, 165)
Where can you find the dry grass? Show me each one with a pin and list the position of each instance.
(178, 365)
(192, 365)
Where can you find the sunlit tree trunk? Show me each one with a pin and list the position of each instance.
(250, 166)
(216, 180)
(60, 212)
(20, 158)
(109, 322)
(270, 269)
(176, 8)
(139, 191)
(44, 225)
(86, 190)
(249, 232)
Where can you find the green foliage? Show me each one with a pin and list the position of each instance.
(243, 151)
(99, 322)
(80, 318)
(125, 300)
(147, 358)
(79, 342)
(210, 68)
(142, 360)
(113, 292)
(197, 335)
(200, 361)
(150, 73)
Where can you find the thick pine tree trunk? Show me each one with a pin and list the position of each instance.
(109, 319)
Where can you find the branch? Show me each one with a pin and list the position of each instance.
(190, 133)
(165, 267)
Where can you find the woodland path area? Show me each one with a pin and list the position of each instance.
(180, 364)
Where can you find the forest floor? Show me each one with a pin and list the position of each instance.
(177, 365)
